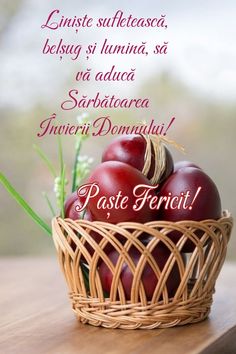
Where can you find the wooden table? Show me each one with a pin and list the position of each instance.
(36, 318)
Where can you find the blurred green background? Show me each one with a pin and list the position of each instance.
(194, 83)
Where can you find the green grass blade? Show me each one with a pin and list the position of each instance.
(49, 203)
(24, 204)
(62, 177)
(60, 153)
(85, 272)
(62, 197)
(74, 171)
(45, 160)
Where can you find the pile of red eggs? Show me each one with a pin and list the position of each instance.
(120, 172)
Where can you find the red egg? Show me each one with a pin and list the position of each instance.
(207, 204)
(148, 277)
(126, 148)
(169, 166)
(70, 207)
(115, 199)
(131, 149)
(182, 164)
(70, 212)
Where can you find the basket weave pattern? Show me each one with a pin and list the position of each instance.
(198, 272)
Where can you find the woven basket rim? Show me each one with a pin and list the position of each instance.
(225, 215)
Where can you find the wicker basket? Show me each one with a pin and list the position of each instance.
(198, 271)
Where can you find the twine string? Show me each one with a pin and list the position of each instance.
(155, 154)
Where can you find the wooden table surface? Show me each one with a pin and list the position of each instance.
(36, 318)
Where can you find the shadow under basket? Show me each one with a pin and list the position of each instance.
(80, 258)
